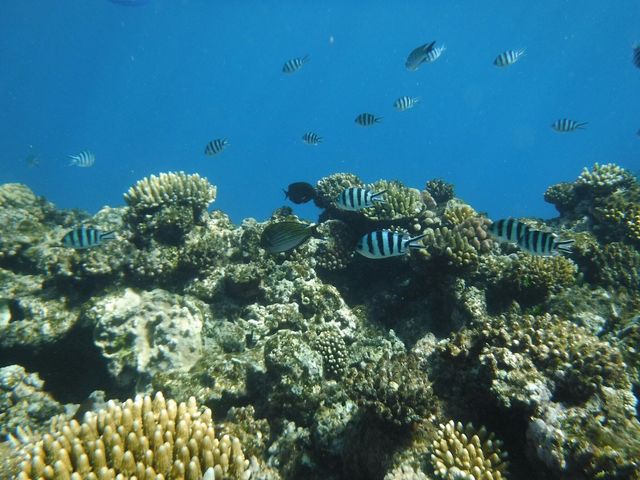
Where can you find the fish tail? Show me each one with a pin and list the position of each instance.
(564, 246)
(375, 196)
(286, 194)
(410, 243)
(108, 236)
(581, 125)
(377, 119)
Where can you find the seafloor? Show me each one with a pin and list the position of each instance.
(467, 359)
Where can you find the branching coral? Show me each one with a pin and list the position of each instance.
(145, 438)
(440, 190)
(171, 189)
(603, 179)
(395, 389)
(614, 264)
(462, 452)
(400, 202)
(562, 196)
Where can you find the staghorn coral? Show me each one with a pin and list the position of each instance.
(328, 188)
(394, 389)
(329, 341)
(462, 452)
(173, 188)
(603, 179)
(150, 439)
(440, 190)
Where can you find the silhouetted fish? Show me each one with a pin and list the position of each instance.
(367, 119)
(564, 125)
(295, 64)
(508, 58)
(300, 192)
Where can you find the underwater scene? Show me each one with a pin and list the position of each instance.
(329, 240)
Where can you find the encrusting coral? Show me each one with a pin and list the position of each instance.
(464, 453)
(146, 438)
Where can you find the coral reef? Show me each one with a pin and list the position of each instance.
(144, 438)
(464, 452)
(440, 190)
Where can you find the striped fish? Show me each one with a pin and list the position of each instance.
(83, 159)
(418, 56)
(295, 64)
(284, 236)
(564, 125)
(357, 198)
(405, 103)
(216, 146)
(311, 138)
(386, 243)
(636, 55)
(367, 119)
(508, 58)
(536, 242)
(434, 54)
(86, 237)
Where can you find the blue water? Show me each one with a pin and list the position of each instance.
(146, 87)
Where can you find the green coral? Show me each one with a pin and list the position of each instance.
(394, 389)
(529, 279)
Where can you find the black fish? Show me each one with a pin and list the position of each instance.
(300, 192)
(284, 236)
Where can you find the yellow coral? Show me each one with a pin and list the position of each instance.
(461, 452)
(170, 189)
(141, 438)
(456, 214)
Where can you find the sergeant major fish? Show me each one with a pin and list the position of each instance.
(295, 64)
(216, 146)
(564, 125)
(84, 159)
(357, 198)
(86, 237)
(434, 54)
(508, 58)
(367, 119)
(536, 242)
(418, 56)
(386, 243)
(405, 103)
(311, 138)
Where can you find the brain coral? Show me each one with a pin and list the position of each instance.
(145, 438)
(169, 189)
(463, 453)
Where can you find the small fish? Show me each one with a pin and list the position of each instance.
(216, 146)
(636, 55)
(300, 192)
(434, 54)
(86, 237)
(418, 56)
(311, 138)
(508, 58)
(536, 242)
(367, 119)
(386, 243)
(295, 64)
(357, 198)
(405, 103)
(564, 125)
(32, 160)
(84, 159)
(285, 236)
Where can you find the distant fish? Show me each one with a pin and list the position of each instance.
(405, 103)
(434, 54)
(386, 243)
(216, 146)
(311, 138)
(508, 58)
(300, 192)
(367, 119)
(86, 237)
(418, 56)
(636, 55)
(285, 236)
(536, 242)
(84, 159)
(295, 64)
(564, 125)
(357, 198)
(32, 160)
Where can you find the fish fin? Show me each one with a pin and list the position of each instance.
(581, 125)
(410, 243)
(375, 196)
(286, 194)
(427, 47)
(305, 59)
(377, 119)
(563, 246)
(108, 235)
